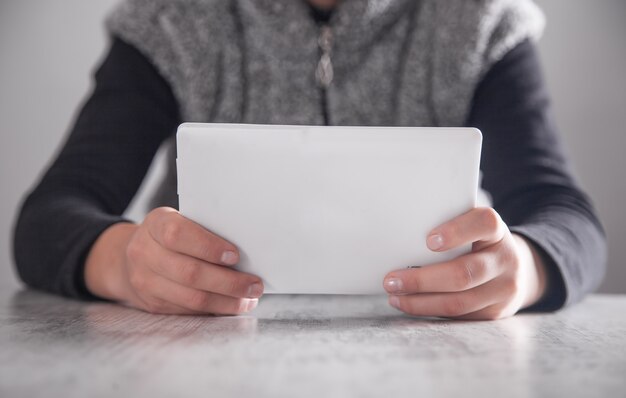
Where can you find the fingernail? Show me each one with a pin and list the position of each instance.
(393, 285)
(394, 301)
(252, 303)
(255, 290)
(435, 242)
(229, 258)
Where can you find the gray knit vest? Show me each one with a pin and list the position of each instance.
(395, 62)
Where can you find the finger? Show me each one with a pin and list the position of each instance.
(154, 305)
(512, 302)
(175, 232)
(482, 225)
(491, 313)
(462, 273)
(159, 306)
(191, 272)
(198, 300)
(449, 305)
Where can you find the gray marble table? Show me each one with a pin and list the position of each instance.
(290, 346)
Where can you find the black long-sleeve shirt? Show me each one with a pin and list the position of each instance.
(132, 110)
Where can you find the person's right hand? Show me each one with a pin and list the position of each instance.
(170, 265)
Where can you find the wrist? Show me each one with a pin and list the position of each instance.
(105, 266)
(533, 272)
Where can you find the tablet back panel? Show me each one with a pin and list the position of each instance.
(327, 209)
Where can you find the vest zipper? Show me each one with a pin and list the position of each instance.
(324, 73)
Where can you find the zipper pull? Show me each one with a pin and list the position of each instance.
(324, 73)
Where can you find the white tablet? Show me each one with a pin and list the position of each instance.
(330, 210)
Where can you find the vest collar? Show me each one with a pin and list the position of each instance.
(355, 23)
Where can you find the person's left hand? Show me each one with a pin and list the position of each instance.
(501, 275)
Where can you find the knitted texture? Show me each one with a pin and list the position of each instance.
(396, 62)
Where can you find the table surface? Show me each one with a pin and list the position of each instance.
(330, 346)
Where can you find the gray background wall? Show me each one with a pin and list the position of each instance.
(48, 49)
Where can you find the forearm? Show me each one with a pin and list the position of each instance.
(53, 235)
(569, 239)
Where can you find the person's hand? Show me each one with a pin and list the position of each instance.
(501, 275)
(168, 264)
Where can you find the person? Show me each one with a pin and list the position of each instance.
(538, 247)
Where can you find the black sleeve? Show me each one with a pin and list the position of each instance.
(98, 171)
(527, 175)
